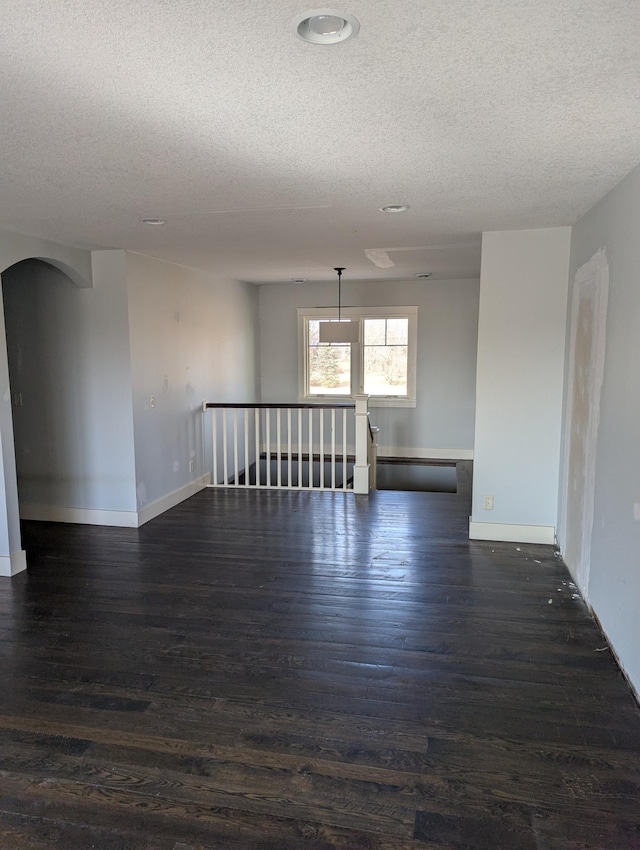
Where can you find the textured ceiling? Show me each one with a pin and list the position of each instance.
(269, 157)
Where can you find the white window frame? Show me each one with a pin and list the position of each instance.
(357, 353)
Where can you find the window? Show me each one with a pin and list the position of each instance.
(329, 364)
(385, 363)
(382, 364)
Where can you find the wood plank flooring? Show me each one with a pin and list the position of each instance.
(308, 671)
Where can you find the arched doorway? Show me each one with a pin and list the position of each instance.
(26, 350)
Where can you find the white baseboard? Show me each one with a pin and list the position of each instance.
(121, 519)
(154, 509)
(425, 454)
(82, 516)
(510, 533)
(11, 565)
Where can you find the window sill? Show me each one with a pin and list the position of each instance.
(391, 402)
(374, 401)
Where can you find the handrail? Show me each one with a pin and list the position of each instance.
(283, 405)
(292, 446)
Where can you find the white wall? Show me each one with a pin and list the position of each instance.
(11, 554)
(521, 349)
(84, 363)
(194, 337)
(69, 357)
(447, 338)
(13, 249)
(614, 578)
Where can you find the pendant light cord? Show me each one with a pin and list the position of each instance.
(339, 270)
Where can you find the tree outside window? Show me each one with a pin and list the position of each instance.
(329, 364)
(382, 364)
(386, 356)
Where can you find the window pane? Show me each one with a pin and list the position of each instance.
(329, 369)
(374, 331)
(385, 370)
(314, 331)
(397, 331)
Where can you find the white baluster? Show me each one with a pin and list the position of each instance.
(235, 446)
(256, 418)
(333, 448)
(310, 454)
(267, 414)
(214, 441)
(289, 464)
(344, 448)
(225, 464)
(279, 447)
(246, 447)
(300, 444)
(321, 453)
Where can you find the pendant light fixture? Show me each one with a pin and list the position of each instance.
(340, 331)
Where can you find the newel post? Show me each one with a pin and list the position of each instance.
(361, 468)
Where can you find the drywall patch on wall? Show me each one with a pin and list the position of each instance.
(585, 374)
(614, 577)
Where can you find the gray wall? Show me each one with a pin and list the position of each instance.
(194, 337)
(69, 358)
(13, 249)
(446, 359)
(614, 583)
(84, 363)
(521, 351)
(76, 263)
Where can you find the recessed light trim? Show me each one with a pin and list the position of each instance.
(298, 280)
(151, 221)
(395, 208)
(325, 26)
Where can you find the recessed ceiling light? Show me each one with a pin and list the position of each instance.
(153, 222)
(325, 26)
(299, 279)
(424, 275)
(393, 208)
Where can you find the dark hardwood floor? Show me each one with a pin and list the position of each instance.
(308, 671)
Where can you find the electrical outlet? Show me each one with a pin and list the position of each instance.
(488, 503)
(192, 466)
(152, 401)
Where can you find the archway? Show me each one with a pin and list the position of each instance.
(21, 280)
